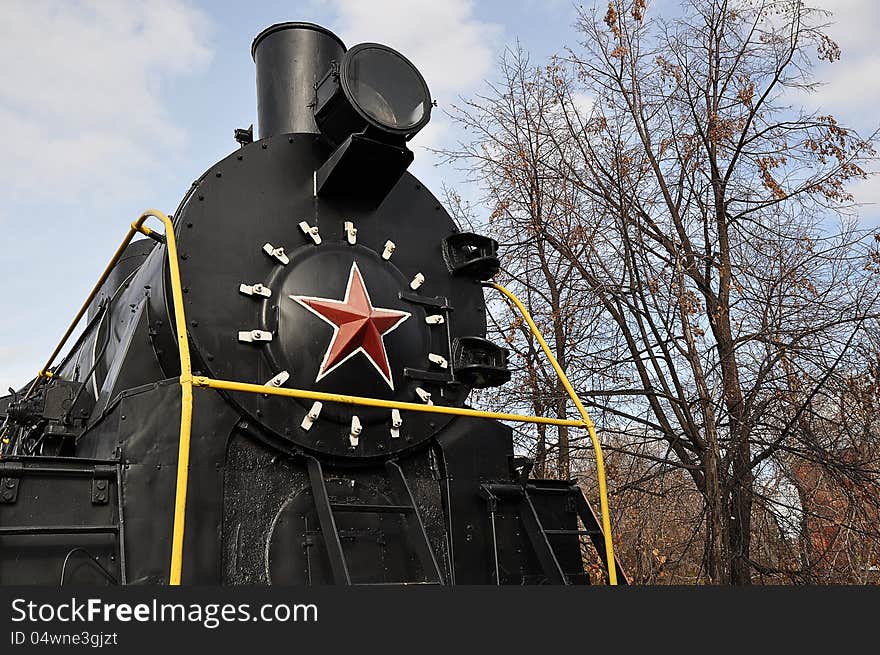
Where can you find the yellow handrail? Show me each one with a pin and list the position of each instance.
(185, 369)
(187, 381)
(45, 372)
(186, 393)
(587, 422)
(229, 385)
(186, 398)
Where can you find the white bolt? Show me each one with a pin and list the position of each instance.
(351, 232)
(425, 396)
(439, 360)
(255, 290)
(279, 379)
(355, 433)
(434, 319)
(277, 253)
(396, 422)
(417, 281)
(389, 250)
(312, 416)
(254, 335)
(310, 231)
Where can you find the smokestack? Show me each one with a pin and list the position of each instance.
(291, 58)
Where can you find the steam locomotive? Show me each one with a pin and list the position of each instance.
(309, 259)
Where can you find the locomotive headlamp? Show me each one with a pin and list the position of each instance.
(373, 90)
(369, 104)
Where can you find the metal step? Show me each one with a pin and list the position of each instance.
(371, 509)
(399, 584)
(401, 494)
(536, 532)
(580, 533)
(58, 529)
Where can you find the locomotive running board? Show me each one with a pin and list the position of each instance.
(405, 505)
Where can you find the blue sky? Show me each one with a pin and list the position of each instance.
(108, 108)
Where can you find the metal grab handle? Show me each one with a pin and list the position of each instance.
(587, 423)
(185, 367)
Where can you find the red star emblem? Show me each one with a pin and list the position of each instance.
(358, 327)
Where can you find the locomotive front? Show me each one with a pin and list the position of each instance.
(316, 262)
(309, 259)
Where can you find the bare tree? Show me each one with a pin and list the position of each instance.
(685, 237)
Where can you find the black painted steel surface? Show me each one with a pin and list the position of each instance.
(291, 58)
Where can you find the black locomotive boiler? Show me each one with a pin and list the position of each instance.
(308, 259)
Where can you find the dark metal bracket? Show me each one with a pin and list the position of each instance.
(429, 376)
(9, 484)
(437, 302)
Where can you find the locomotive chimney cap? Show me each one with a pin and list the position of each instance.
(292, 25)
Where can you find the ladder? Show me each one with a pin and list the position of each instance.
(404, 504)
(538, 535)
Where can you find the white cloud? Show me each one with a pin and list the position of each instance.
(18, 364)
(853, 85)
(851, 89)
(80, 98)
(584, 103)
(854, 22)
(451, 47)
(867, 194)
